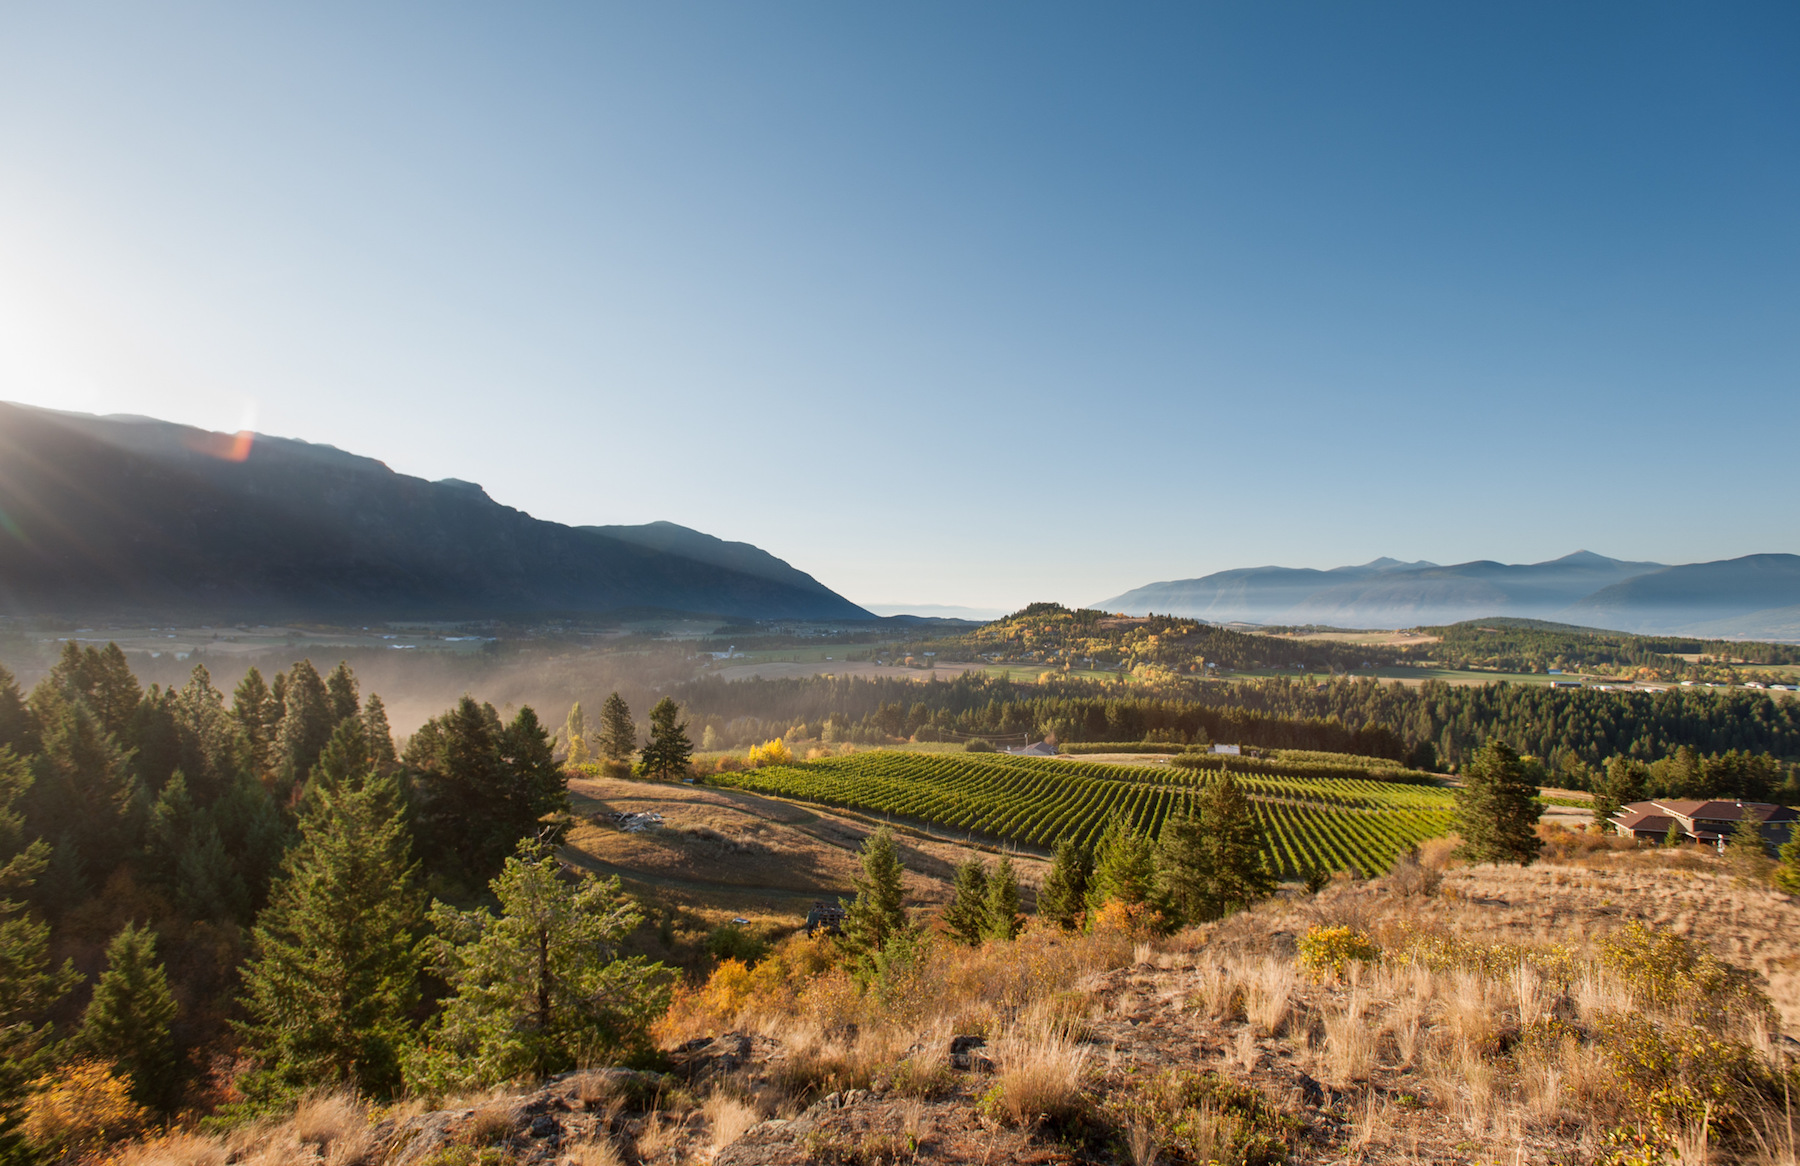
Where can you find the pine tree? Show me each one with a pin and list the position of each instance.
(307, 720)
(1787, 875)
(128, 1021)
(1619, 786)
(1062, 899)
(258, 713)
(878, 912)
(1209, 859)
(541, 986)
(479, 787)
(617, 737)
(1746, 851)
(29, 984)
(1124, 867)
(341, 694)
(334, 972)
(966, 915)
(1673, 837)
(575, 736)
(18, 731)
(1002, 919)
(380, 737)
(83, 792)
(1497, 808)
(666, 755)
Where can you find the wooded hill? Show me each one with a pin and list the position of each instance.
(126, 517)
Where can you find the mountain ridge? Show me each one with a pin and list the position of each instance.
(129, 516)
(1751, 596)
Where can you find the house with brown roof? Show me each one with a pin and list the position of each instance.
(1711, 822)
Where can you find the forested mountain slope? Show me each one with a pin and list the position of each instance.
(125, 516)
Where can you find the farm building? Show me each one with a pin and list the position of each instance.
(1711, 822)
(1041, 749)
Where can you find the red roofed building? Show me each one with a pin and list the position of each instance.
(1711, 822)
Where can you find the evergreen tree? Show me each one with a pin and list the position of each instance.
(878, 912)
(307, 720)
(1746, 851)
(1673, 837)
(617, 737)
(575, 735)
(100, 679)
(667, 752)
(341, 694)
(211, 746)
(1209, 859)
(1124, 867)
(258, 713)
(334, 971)
(479, 787)
(83, 792)
(1497, 809)
(1062, 899)
(128, 1021)
(1002, 919)
(540, 987)
(29, 984)
(382, 758)
(966, 915)
(1620, 785)
(1787, 875)
(18, 731)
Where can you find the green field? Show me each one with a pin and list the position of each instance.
(1330, 823)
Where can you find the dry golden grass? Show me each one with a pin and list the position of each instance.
(599, 1152)
(727, 1118)
(1037, 1076)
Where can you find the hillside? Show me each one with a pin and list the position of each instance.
(1756, 596)
(123, 516)
(1733, 597)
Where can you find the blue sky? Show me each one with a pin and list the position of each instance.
(946, 303)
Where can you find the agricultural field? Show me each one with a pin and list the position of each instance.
(1329, 823)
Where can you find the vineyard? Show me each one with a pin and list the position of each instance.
(1328, 823)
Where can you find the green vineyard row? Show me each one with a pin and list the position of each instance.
(1307, 823)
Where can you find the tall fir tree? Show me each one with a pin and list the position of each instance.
(1619, 785)
(334, 972)
(18, 731)
(129, 1020)
(479, 787)
(1497, 808)
(83, 795)
(966, 914)
(617, 737)
(380, 736)
(29, 984)
(307, 720)
(666, 754)
(1001, 917)
(1787, 875)
(1124, 867)
(341, 694)
(258, 713)
(1062, 899)
(1210, 859)
(878, 913)
(542, 986)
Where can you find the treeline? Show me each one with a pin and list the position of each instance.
(1507, 645)
(1426, 727)
(203, 898)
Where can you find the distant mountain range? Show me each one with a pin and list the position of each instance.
(127, 517)
(1754, 597)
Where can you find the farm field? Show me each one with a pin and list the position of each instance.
(1330, 823)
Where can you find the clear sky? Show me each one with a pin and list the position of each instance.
(948, 303)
